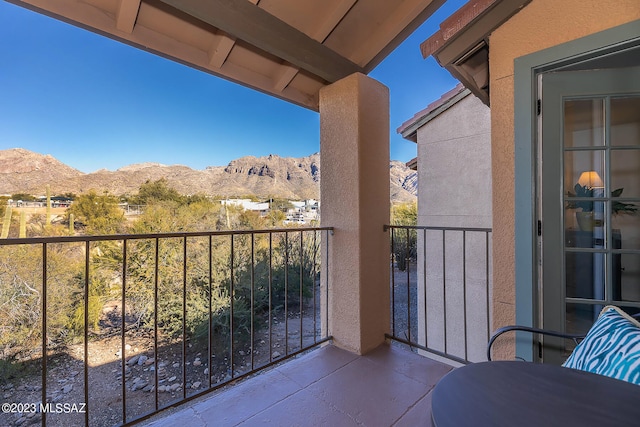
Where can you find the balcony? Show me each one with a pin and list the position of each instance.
(328, 386)
(267, 297)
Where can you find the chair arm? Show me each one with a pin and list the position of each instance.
(505, 329)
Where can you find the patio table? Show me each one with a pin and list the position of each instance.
(514, 393)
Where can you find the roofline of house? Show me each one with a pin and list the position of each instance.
(462, 43)
(409, 129)
(413, 164)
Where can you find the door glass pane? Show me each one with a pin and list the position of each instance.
(579, 318)
(585, 168)
(625, 121)
(625, 165)
(626, 277)
(585, 274)
(626, 231)
(584, 122)
(585, 224)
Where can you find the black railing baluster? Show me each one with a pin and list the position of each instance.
(424, 280)
(326, 291)
(184, 317)
(44, 331)
(86, 333)
(487, 284)
(270, 296)
(444, 288)
(464, 292)
(123, 325)
(210, 316)
(231, 291)
(407, 266)
(156, 356)
(301, 282)
(313, 284)
(393, 282)
(253, 285)
(286, 292)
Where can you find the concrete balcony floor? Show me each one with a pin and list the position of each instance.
(325, 387)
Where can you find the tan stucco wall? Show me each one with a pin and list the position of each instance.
(354, 190)
(540, 25)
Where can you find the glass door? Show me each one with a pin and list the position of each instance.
(590, 199)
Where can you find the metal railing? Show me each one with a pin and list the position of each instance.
(440, 290)
(185, 313)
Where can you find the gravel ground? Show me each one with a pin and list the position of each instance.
(65, 374)
(405, 303)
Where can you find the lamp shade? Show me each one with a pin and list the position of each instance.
(590, 179)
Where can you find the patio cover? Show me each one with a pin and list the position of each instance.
(286, 48)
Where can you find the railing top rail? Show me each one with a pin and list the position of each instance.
(67, 239)
(436, 228)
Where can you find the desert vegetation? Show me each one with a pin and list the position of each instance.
(404, 246)
(211, 290)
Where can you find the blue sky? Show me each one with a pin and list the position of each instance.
(95, 103)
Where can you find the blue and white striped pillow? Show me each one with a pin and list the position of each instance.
(611, 347)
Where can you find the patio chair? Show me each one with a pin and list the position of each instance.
(611, 347)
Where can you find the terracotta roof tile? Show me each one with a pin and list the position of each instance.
(463, 16)
(453, 24)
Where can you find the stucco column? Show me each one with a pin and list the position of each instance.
(354, 190)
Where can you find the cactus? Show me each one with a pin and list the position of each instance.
(71, 221)
(48, 212)
(23, 225)
(7, 223)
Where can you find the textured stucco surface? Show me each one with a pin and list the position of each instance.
(354, 151)
(546, 23)
(454, 182)
(454, 169)
(502, 158)
(540, 25)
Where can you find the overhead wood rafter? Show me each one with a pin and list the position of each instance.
(408, 15)
(288, 72)
(127, 14)
(246, 21)
(221, 46)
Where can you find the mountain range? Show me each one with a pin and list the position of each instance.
(23, 171)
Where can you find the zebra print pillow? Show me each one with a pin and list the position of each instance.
(611, 347)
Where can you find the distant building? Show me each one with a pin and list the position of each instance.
(303, 212)
(454, 190)
(248, 205)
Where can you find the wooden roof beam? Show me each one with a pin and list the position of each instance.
(127, 15)
(246, 21)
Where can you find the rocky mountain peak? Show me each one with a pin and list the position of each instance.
(269, 176)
